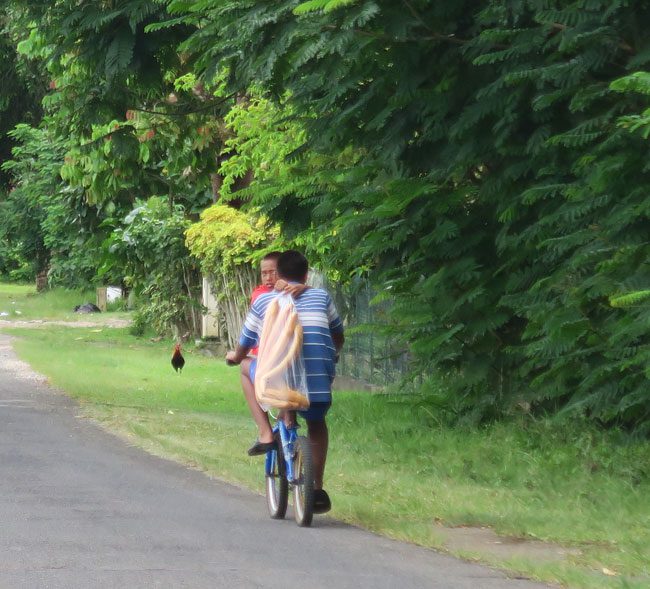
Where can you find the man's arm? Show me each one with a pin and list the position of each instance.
(336, 325)
(339, 339)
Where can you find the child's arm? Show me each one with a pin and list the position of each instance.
(249, 335)
(236, 357)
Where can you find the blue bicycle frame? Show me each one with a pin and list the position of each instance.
(288, 437)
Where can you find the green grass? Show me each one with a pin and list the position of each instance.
(393, 467)
(22, 302)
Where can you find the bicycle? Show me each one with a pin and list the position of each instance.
(289, 464)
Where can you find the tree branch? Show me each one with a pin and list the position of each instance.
(186, 112)
(416, 14)
(624, 45)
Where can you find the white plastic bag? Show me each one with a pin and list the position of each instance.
(280, 378)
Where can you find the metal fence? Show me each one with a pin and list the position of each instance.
(370, 353)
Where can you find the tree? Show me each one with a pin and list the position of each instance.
(494, 194)
(227, 242)
(149, 247)
(133, 124)
(20, 94)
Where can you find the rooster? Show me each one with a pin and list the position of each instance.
(177, 358)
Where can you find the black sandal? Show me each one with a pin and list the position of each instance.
(259, 448)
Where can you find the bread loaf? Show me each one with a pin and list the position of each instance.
(280, 344)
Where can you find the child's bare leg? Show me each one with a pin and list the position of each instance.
(260, 417)
(319, 438)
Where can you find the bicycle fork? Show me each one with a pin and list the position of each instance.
(287, 440)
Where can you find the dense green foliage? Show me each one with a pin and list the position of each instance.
(21, 91)
(148, 246)
(484, 162)
(20, 94)
(496, 193)
(46, 224)
(126, 121)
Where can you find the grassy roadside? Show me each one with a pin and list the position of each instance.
(393, 468)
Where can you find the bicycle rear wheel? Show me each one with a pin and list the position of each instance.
(303, 487)
(277, 486)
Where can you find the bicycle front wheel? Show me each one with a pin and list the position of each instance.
(303, 488)
(277, 486)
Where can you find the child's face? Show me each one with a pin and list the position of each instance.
(269, 270)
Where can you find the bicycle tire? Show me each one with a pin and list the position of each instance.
(303, 488)
(277, 486)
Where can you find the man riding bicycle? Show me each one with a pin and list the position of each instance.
(323, 338)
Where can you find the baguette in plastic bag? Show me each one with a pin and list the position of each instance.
(280, 377)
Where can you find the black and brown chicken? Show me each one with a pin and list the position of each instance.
(177, 359)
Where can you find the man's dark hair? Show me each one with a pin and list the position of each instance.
(272, 256)
(292, 265)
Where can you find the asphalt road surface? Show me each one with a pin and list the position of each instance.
(80, 508)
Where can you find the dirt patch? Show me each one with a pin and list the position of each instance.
(36, 323)
(17, 368)
(486, 541)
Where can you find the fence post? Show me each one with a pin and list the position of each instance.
(102, 298)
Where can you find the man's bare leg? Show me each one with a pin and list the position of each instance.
(319, 438)
(265, 434)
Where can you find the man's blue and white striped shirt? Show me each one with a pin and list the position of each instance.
(319, 319)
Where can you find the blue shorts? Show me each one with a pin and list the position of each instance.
(251, 369)
(316, 411)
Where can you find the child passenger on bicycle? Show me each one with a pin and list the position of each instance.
(322, 340)
(269, 275)
(270, 282)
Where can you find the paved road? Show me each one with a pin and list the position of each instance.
(79, 508)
